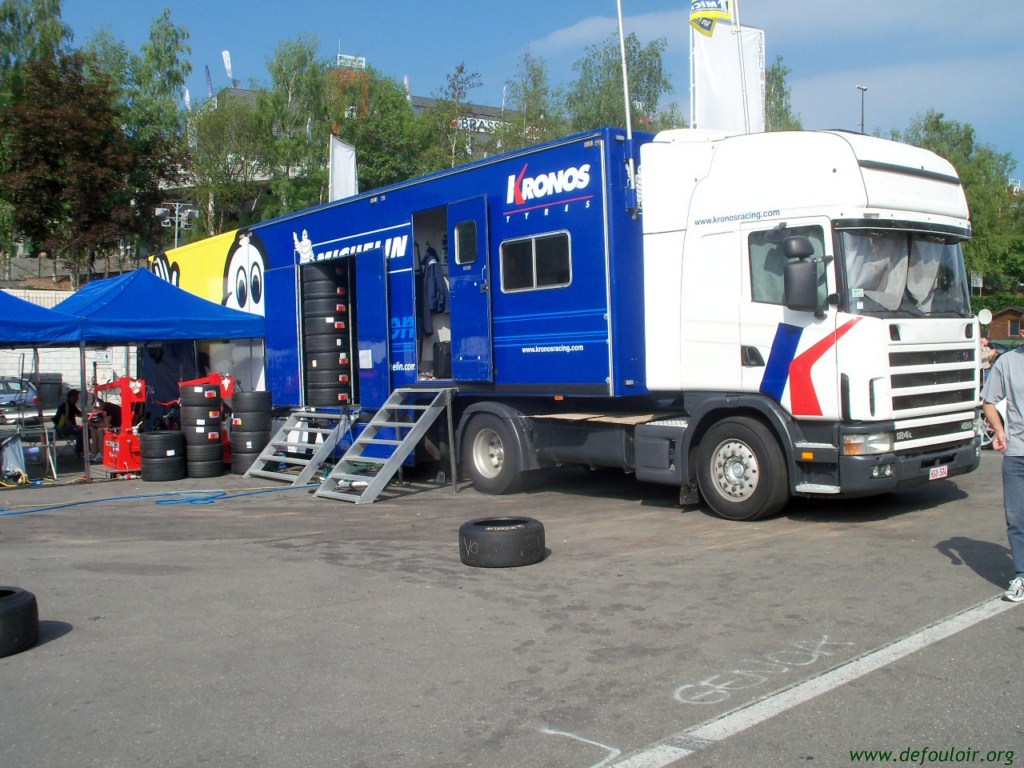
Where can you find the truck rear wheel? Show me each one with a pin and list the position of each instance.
(489, 456)
(741, 470)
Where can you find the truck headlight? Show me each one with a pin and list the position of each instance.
(867, 445)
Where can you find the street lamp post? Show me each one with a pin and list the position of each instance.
(863, 89)
(176, 215)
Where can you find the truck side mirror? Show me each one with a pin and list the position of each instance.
(800, 281)
(800, 278)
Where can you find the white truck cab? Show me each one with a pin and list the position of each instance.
(810, 286)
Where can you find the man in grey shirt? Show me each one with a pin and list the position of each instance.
(1006, 381)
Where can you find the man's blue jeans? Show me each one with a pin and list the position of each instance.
(1013, 504)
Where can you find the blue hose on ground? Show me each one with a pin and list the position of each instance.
(207, 497)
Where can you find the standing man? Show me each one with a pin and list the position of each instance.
(1006, 381)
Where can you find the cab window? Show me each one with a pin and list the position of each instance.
(768, 264)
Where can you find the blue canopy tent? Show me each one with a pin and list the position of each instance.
(138, 306)
(29, 325)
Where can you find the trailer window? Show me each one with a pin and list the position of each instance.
(535, 262)
(768, 264)
(465, 242)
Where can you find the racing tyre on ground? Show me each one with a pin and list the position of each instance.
(242, 460)
(501, 542)
(157, 470)
(201, 434)
(198, 453)
(200, 414)
(206, 395)
(250, 402)
(248, 442)
(741, 471)
(205, 468)
(490, 456)
(161, 445)
(19, 620)
(251, 421)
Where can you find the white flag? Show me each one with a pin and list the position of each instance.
(344, 179)
(729, 80)
(226, 55)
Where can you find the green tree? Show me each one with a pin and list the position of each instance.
(449, 142)
(372, 113)
(595, 98)
(228, 158)
(778, 108)
(148, 89)
(295, 108)
(994, 247)
(534, 114)
(68, 160)
(29, 29)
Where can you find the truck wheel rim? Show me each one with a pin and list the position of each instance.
(488, 453)
(735, 470)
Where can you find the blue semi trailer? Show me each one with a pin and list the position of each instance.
(758, 317)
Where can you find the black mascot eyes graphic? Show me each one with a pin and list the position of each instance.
(244, 275)
(163, 269)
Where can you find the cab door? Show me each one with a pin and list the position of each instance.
(470, 291)
(786, 354)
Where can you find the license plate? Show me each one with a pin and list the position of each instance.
(937, 473)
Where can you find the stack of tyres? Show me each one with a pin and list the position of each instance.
(327, 368)
(251, 424)
(163, 455)
(201, 426)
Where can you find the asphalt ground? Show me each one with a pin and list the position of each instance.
(266, 627)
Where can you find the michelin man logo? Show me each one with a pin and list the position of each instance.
(244, 274)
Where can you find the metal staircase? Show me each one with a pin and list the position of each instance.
(369, 465)
(298, 450)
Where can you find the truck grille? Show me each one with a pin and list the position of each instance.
(934, 395)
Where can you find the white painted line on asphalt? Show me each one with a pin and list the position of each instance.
(679, 746)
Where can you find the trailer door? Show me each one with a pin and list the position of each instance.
(374, 330)
(469, 275)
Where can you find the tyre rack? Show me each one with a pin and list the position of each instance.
(326, 334)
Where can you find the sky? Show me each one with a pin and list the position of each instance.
(913, 56)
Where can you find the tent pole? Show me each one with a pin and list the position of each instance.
(85, 412)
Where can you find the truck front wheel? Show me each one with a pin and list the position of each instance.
(741, 470)
(489, 455)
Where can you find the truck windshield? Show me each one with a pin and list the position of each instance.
(908, 274)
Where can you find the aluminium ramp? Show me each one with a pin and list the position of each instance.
(373, 460)
(301, 447)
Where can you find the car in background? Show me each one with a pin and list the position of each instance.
(17, 392)
(20, 401)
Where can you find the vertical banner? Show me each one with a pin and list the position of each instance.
(344, 179)
(729, 80)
